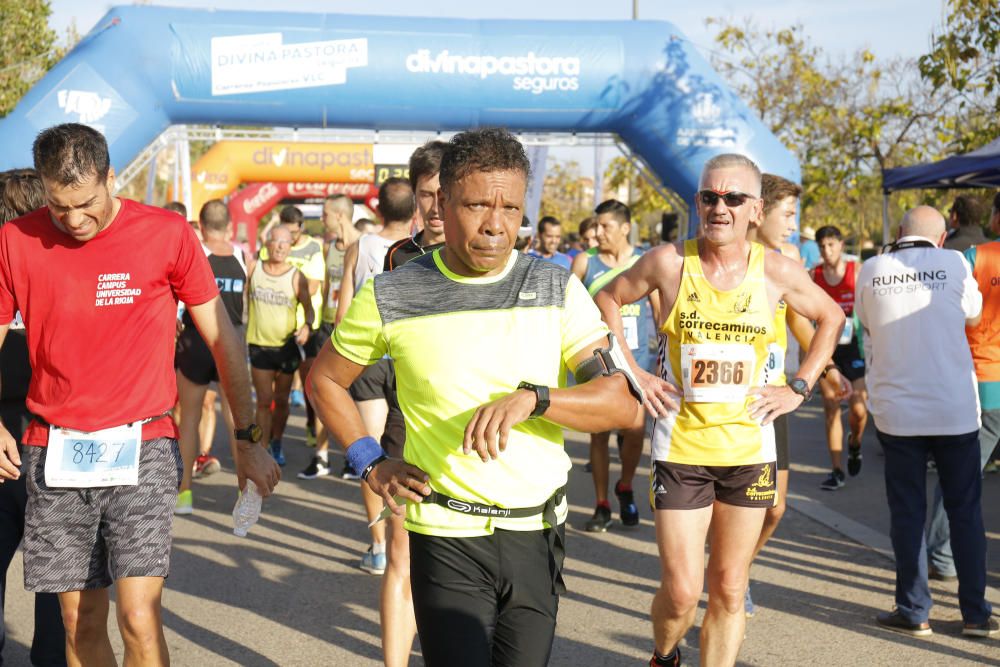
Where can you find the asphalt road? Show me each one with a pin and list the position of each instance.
(292, 594)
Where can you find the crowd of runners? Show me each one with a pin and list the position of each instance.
(443, 348)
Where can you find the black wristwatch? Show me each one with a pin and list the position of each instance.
(541, 398)
(800, 387)
(251, 433)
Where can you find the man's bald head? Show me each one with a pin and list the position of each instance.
(924, 221)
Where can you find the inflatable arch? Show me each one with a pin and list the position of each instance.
(142, 69)
(250, 204)
(228, 164)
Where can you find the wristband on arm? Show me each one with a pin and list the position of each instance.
(364, 454)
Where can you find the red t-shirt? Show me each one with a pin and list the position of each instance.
(100, 315)
(842, 292)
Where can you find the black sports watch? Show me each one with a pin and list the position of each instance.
(541, 398)
(800, 387)
(251, 433)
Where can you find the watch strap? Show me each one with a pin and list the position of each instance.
(541, 398)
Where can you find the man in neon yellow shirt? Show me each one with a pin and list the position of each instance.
(482, 337)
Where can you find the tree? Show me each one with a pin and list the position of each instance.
(846, 120)
(645, 201)
(965, 61)
(27, 48)
(565, 194)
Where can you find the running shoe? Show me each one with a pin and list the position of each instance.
(626, 501)
(316, 468)
(206, 465)
(277, 453)
(310, 437)
(853, 457)
(893, 620)
(373, 563)
(748, 606)
(938, 575)
(991, 466)
(834, 481)
(184, 504)
(601, 520)
(990, 628)
(348, 472)
(297, 398)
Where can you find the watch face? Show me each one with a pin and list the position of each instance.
(256, 433)
(799, 386)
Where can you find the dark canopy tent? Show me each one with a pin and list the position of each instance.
(978, 169)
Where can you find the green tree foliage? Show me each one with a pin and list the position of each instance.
(27, 48)
(965, 63)
(846, 120)
(645, 201)
(566, 195)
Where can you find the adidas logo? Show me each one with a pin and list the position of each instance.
(693, 298)
(659, 489)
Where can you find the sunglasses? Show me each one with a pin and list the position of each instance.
(732, 199)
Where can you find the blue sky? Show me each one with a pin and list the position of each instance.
(888, 27)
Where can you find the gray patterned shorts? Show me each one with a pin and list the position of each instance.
(81, 539)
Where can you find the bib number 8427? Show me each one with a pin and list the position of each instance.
(711, 372)
(95, 452)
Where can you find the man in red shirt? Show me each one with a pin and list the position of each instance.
(837, 277)
(97, 279)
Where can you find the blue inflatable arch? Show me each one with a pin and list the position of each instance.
(142, 69)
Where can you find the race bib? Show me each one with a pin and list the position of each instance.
(775, 362)
(848, 333)
(631, 327)
(715, 373)
(81, 459)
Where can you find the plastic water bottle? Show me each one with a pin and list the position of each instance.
(247, 510)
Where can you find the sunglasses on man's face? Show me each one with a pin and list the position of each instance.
(732, 199)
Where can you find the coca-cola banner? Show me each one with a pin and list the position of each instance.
(250, 204)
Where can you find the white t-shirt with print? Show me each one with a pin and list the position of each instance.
(912, 304)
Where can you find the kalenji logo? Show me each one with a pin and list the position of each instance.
(531, 72)
(90, 106)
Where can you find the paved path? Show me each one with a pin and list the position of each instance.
(291, 593)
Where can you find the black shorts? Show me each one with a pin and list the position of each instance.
(284, 359)
(847, 358)
(317, 339)
(82, 539)
(376, 381)
(193, 358)
(484, 601)
(677, 486)
(394, 436)
(781, 441)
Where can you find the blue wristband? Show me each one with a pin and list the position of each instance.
(362, 452)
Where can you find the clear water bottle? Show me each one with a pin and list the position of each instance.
(247, 510)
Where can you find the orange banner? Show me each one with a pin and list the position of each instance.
(227, 164)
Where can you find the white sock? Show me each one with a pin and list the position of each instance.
(378, 548)
(322, 455)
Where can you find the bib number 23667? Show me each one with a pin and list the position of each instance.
(716, 373)
(81, 459)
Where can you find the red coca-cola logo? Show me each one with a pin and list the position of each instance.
(264, 197)
(327, 189)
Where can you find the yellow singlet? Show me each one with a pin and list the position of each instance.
(716, 349)
(272, 307)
